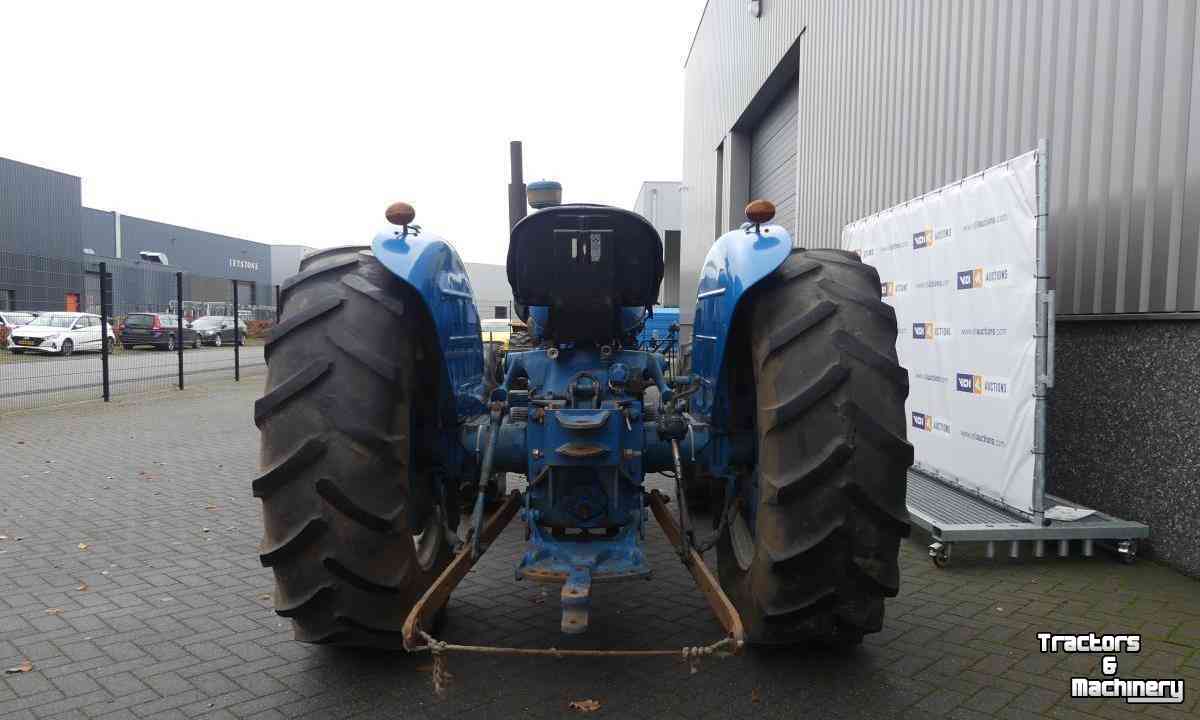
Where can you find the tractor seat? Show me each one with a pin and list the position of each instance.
(585, 262)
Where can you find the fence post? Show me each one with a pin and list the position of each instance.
(278, 305)
(104, 344)
(179, 323)
(237, 340)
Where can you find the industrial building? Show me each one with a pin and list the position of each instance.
(51, 247)
(285, 261)
(661, 202)
(836, 110)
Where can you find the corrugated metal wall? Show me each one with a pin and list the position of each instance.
(773, 152)
(898, 97)
(99, 231)
(39, 211)
(200, 252)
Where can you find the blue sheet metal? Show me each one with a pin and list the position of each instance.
(550, 559)
(736, 261)
(658, 327)
(432, 267)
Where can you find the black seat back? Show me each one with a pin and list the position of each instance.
(585, 262)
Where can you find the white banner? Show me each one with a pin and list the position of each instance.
(959, 267)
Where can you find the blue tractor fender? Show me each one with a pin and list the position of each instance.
(735, 263)
(431, 266)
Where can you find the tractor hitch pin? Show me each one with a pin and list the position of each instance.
(485, 474)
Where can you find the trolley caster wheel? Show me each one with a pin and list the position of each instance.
(939, 554)
(1127, 550)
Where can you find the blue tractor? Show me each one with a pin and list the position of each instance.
(384, 441)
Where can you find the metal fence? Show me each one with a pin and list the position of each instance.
(151, 345)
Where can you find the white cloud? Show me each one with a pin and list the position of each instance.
(299, 123)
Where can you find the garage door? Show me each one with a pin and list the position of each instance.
(773, 157)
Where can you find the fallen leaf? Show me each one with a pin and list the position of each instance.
(83, 586)
(755, 696)
(83, 546)
(265, 597)
(25, 666)
(210, 507)
(54, 611)
(584, 706)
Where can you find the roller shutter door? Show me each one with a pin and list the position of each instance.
(773, 157)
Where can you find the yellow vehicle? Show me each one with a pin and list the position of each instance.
(496, 331)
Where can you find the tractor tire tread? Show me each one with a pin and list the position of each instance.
(300, 538)
(270, 403)
(797, 326)
(832, 459)
(340, 527)
(364, 286)
(305, 275)
(333, 494)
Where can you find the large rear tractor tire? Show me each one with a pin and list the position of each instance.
(355, 529)
(813, 550)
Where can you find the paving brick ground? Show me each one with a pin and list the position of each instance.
(174, 618)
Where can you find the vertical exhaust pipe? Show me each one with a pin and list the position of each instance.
(516, 186)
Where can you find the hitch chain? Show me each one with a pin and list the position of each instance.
(692, 655)
(732, 503)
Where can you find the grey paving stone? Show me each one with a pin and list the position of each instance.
(172, 624)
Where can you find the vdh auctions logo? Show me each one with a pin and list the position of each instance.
(931, 331)
(892, 288)
(980, 385)
(929, 237)
(984, 277)
(928, 423)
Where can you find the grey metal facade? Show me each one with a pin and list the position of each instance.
(897, 97)
(50, 244)
(40, 257)
(491, 288)
(661, 202)
(202, 253)
(285, 261)
(99, 232)
(39, 211)
(773, 148)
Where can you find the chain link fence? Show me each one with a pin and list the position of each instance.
(136, 345)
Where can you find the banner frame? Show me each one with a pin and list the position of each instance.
(1043, 332)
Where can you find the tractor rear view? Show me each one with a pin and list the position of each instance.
(379, 422)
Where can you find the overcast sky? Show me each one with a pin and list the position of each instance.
(297, 123)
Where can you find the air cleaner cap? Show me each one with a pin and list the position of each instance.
(544, 194)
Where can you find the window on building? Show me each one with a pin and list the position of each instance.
(8, 299)
(500, 312)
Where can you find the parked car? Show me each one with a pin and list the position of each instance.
(217, 330)
(158, 330)
(62, 333)
(11, 320)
